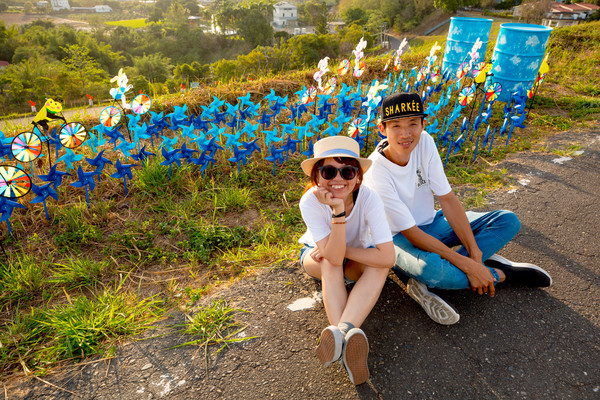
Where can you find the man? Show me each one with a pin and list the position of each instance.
(407, 172)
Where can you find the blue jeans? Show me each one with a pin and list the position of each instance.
(492, 231)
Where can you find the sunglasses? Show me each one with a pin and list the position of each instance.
(328, 172)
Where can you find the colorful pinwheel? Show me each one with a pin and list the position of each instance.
(492, 91)
(14, 182)
(72, 135)
(110, 116)
(466, 96)
(462, 70)
(141, 104)
(343, 67)
(26, 147)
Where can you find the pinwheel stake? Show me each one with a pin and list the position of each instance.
(142, 156)
(6, 209)
(86, 179)
(170, 158)
(276, 155)
(99, 161)
(42, 193)
(123, 171)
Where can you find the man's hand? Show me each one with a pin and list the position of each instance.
(480, 277)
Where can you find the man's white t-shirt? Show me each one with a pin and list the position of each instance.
(407, 191)
(366, 225)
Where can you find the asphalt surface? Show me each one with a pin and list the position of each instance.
(522, 344)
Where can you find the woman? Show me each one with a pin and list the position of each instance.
(347, 241)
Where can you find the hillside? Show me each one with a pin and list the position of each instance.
(129, 253)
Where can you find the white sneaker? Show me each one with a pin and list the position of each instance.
(523, 273)
(330, 345)
(437, 309)
(354, 357)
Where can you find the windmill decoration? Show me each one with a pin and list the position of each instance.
(240, 129)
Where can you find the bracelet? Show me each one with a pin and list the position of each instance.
(342, 214)
(336, 222)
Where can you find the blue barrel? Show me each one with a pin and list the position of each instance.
(462, 35)
(517, 57)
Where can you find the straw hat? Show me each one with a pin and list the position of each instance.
(335, 146)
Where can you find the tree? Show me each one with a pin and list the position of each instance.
(535, 10)
(315, 12)
(453, 5)
(155, 15)
(154, 67)
(255, 28)
(177, 15)
(354, 16)
(82, 67)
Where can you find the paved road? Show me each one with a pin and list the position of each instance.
(24, 123)
(522, 344)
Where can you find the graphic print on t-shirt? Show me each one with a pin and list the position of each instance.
(420, 180)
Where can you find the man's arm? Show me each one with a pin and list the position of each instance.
(479, 276)
(455, 214)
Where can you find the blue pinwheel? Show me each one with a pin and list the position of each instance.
(272, 136)
(125, 147)
(249, 129)
(216, 104)
(265, 120)
(69, 158)
(309, 152)
(141, 132)
(239, 156)
(291, 146)
(86, 180)
(276, 155)
(6, 209)
(123, 171)
(42, 193)
(173, 156)
(458, 144)
(143, 155)
(54, 176)
(133, 121)
(177, 117)
(99, 162)
(244, 100)
(251, 147)
(114, 134)
(168, 143)
(186, 153)
(93, 142)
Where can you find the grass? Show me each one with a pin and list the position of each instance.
(75, 285)
(129, 23)
(214, 325)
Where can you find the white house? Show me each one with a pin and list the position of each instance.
(102, 9)
(60, 5)
(561, 14)
(568, 14)
(284, 15)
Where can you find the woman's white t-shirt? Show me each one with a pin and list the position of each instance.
(366, 225)
(407, 191)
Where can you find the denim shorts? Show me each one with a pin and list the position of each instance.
(304, 252)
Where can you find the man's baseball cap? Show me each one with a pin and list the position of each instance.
(401, 105)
